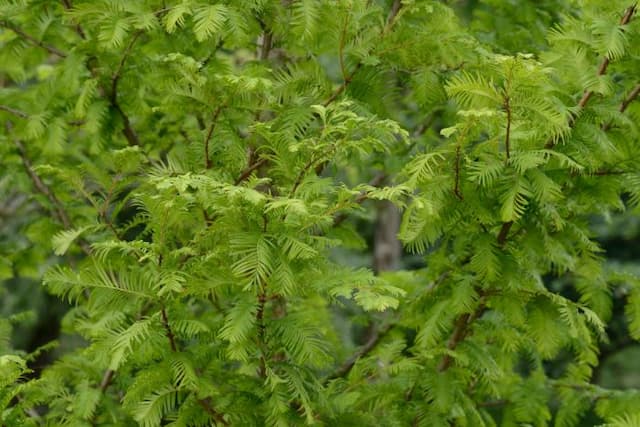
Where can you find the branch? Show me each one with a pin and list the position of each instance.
(602, 69)
(440, 280)
(15, 112)
(371, 344)
(51, 49)
(266, 42)
(106, 380)
(346, 79)
(460, 331)
(308, 167)
(42, 187)
(167, 328)
(376, 181)
(343, 36)
(507, 137)
(393, 14)
(68, 6)
(128, 130)
(262, 300)
(504, 232)
(214, 119)
(493, 403)
(247, 172)
(118, 73)
(206, 405)
(343, 86)
(456, 188)
(630, 98)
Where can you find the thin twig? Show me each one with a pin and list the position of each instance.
(266, 41)
(307, 167)
(602, 69)
(262, 300)
(15, 112)
(369, 346)
(504, 232)
(440, 280)
(128, 131)
(249, 170)
(624, 104)
(115, 77)
(630, 98)
(460, 331)
(493, 403)
(456, 188)
(343, 36)
(107, 378)
(347, 78)
(376, 181)
(214, 120)
(346, 81)
(68, 6)
(42, 187)
(169, 332)
(206, 405)
(51, 49)
(507, 137)
(393, 14)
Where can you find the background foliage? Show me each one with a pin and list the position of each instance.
(210, 194)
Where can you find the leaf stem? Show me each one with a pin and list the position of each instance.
(51, 49)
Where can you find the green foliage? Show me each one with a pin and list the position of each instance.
(189, 173)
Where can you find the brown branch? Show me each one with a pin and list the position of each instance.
(115, 77)
(460, 332)
(43, 188)
(128, 131)
(346, 79)
(206, 405)
(393, 14)
(343, 36)
(376, 181)
(608, 172)
(262, 300)
(266, 41)
(307, 167)
(107, 378)
(440, 280)
(493, 403)
(369, 346)
(68, 6)
(51, 49)
(13, 111)
(214, 120)
(504, 232)
(169, 332)
(249, 170)
(456, 188)
(602, 69)
(630, 98)
(507, 137)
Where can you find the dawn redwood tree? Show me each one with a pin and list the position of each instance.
(198, 165)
